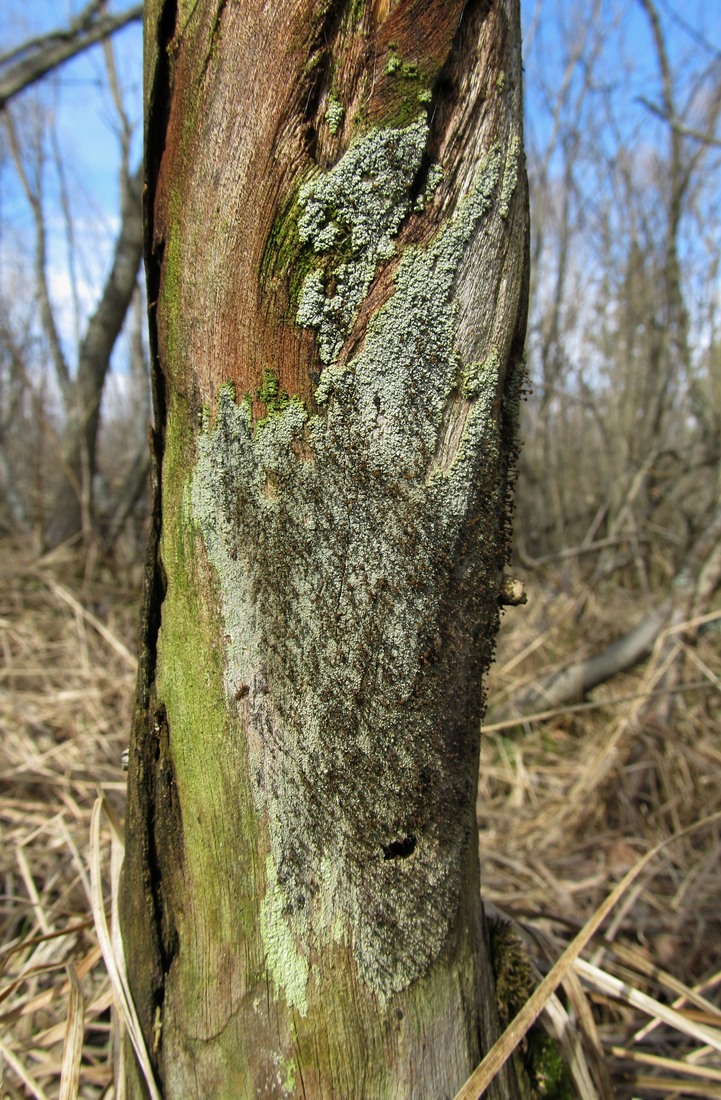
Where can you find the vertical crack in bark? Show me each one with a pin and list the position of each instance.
(213, 39)
(148, 934)
(319, 66)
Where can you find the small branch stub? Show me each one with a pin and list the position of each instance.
(513, 593)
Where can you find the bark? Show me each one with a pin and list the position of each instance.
(336, 252)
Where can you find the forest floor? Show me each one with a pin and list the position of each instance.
(567, 806)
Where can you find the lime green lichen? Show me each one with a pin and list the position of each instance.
(270, 393)
(332, 573)
(290, 1069)
(285, 256)
(510, 176)
(406, 70)
(334, 114)
(410, 87)
(356, 11)
(191, 684)
(287, 966)
(501, 82)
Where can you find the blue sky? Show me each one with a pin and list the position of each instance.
(85, 117)
(77, 97)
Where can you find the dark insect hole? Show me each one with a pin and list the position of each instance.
(399, 849)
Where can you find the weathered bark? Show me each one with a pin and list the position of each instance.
(337, 327)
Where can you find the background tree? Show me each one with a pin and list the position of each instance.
(620, 468)
(336, 252)
(78, 373)
(33, 59)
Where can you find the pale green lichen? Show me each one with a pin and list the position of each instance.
(475, 375)
(287, 966)
(510, 176)
(332, 589)
(334, 114)
(355, 210)
(434, 177)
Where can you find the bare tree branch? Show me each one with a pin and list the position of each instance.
(691, 591)
(36, 57)
(33, 193)
(676, 124)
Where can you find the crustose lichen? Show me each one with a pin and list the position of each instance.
(354, 212)
(332, 575)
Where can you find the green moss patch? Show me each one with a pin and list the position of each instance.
(540, 1056)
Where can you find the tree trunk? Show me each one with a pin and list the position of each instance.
(73, 504)
(336, 251)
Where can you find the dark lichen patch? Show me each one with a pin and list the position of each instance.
(548, 1072)
(512, 970)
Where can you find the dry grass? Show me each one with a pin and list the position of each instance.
(565, 810)
(65, 698)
